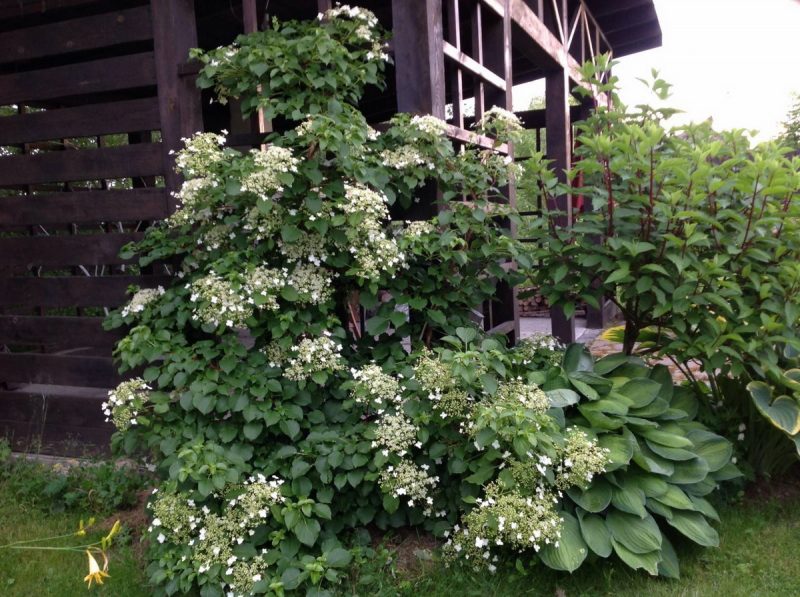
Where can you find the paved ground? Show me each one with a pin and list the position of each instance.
(531, 325)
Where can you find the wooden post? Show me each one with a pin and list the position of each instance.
(557, 120)
(174, 34)
(419, 56)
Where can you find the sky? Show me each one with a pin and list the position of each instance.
(737, 61)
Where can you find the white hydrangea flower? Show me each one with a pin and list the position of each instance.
(141, 299)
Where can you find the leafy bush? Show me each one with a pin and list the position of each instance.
(95, 488)
(692, 233)
(282, 431)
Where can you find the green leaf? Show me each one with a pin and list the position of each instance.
(690, 471)
(645, 561)
(562, 397)
(290, 233)
(203, 402)
(675, 498)
(338, 557)
(306, 530)
(668, 566)
(629, 498)
(576, 358)
(694, 526)
(712, 448)
(640, 391)
(595, 498)
(639, 535)
(572, 549)
(252, 430)
(607, 364)
(596, 534)
(667, 439)
(620, 450)
(783, 413)
(299, 468)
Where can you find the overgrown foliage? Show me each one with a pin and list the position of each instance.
(281, 429)
(693, 234)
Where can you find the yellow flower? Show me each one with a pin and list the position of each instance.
(95, 574)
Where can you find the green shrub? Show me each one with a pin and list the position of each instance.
(281, 431)
(692, 233)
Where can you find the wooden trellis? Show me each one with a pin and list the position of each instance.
(96, 93)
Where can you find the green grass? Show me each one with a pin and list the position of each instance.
(758, 556)
(56, 573)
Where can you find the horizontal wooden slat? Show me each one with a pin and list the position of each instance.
(82, 121)
(97, 76)
(142, 159)
(473, 66)
(23, 367)
(77, 291)
(59, 332)
(84, 207)
(465, 136)
(74, 35)
(56, 251)
(19, 8)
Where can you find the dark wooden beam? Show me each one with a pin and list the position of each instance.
(59, 332)
(84, 164)
(91, 372)
(419, 56)
(77, 291)
(85, 78)
(83, 207)
(75, 35)
(174, 34)
(81, 121)
(559, 150)
(58, 251)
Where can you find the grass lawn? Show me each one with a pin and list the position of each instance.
(56, 573)
(758, 556)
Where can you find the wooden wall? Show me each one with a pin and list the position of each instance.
(85, 93)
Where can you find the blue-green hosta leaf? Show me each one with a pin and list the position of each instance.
(783, 413)
(701, 488)
(670, 453)
(640, 391)
(607, 364)
(645, 561)
(595, 498)
(562, 397)
(668, 566)
(689, 471)
(703, 506)
(629, 498)
(655, 409)
(620, 449)
(639, 535)
(595, 533)
(662, 375)
(572, 549)
(712, 448)
(656, 507)
(599, 420)
(684, 400)
(652, 485)
(671, 440)
(694, 526)
(577, 358)
(675, 498)
(651, 462)
(727, 472)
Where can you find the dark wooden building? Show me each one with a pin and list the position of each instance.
(95, 93)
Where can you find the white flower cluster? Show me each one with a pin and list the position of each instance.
(404, 157)
(409, 481)
(500, 119)
(269, 164)
(395, 434)
(418, 228)
(125, 402)
(372, 385)
(141, 299)
(200, 152)
(313, 355)
(212, 537)
(193, 199)
(505, 520)
(429, 125)
(215, 237)
(518, 393)
(310, 247)
(581, 459)
(264, 285)
(216, 301)
(313, 284)
(355, 13)
(263, 225)
(372, 250)
(539, 350)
